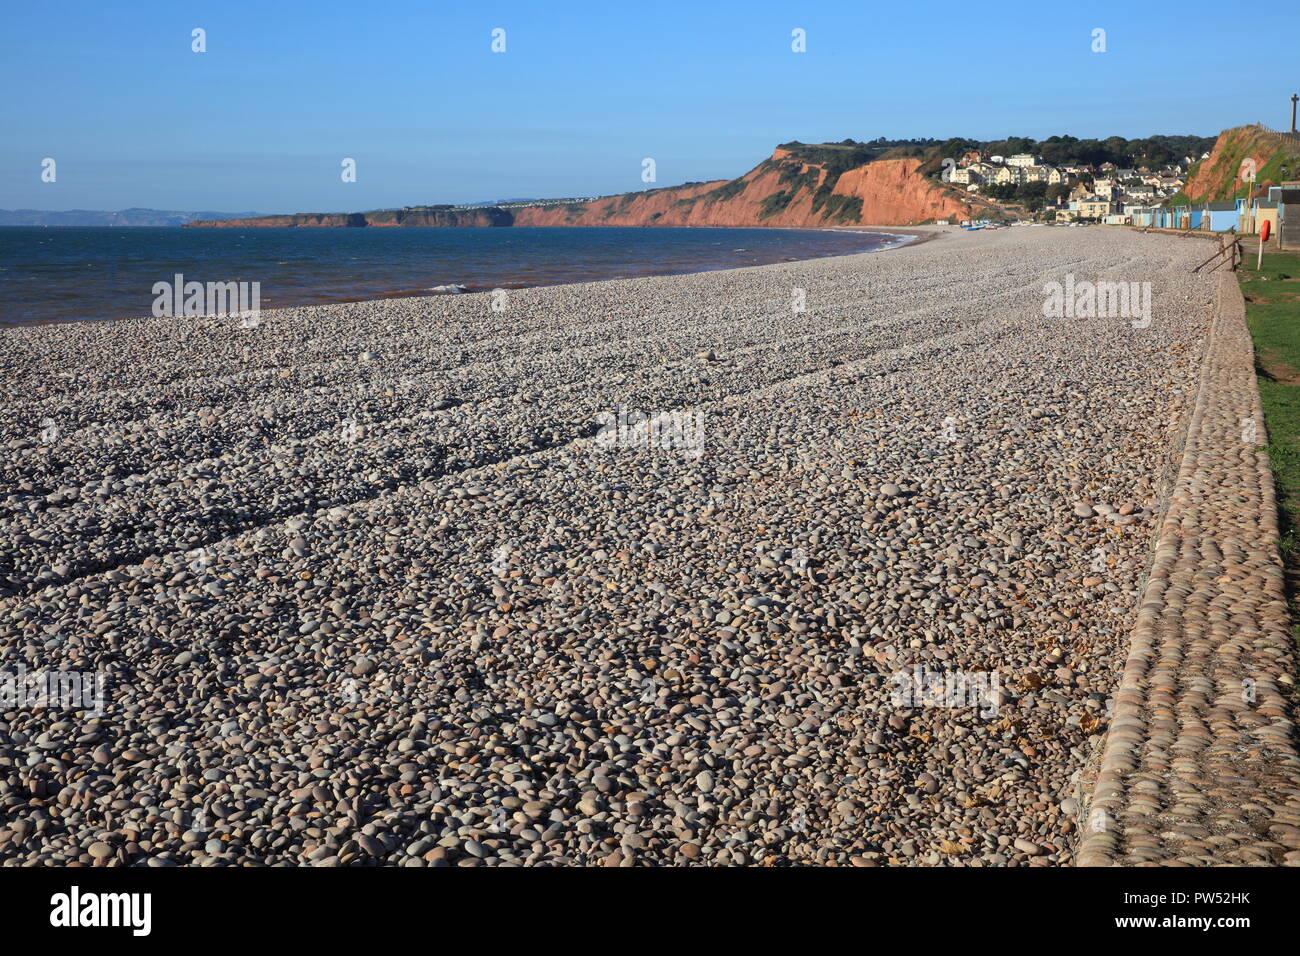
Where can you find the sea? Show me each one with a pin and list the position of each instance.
(71, 273)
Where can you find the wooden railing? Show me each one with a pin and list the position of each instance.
(1229, 251)
(1290, 140)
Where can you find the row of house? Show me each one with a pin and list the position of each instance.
(978, 174)
(1280, 207)
(975, 169)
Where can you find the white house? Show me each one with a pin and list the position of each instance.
(965, 177)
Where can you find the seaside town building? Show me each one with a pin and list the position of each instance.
(965, 177)
(1093, 208)
(1102, 193)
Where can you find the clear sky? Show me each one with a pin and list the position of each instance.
(583, 92)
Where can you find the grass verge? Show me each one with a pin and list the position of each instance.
(1273, 314)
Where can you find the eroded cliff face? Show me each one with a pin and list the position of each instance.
(383, 218)
(783, 191)
(309, 219)
(799, 186)
(1218, 177)
(893, 193)
(426, 216)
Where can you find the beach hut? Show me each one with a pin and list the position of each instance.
(1288, 215)
(1248, 223)
(1266, 211)
(1220, 216)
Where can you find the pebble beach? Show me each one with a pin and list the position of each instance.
(390, 583)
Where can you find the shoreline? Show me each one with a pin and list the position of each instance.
(517, 280)
(390, 495)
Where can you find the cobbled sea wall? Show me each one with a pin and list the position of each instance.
(1199, 765)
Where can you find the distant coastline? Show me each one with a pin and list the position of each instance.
(119, 218)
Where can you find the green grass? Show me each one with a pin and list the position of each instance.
(725, 191)
(1271, 171)
(1273, 315)
(841, 208)
(792, 177)
(775, 203)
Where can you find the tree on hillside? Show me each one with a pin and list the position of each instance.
(1092, 153)
(1032, 195)
(1058, 150)
(955, 147)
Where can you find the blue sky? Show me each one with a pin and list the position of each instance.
(584, 91)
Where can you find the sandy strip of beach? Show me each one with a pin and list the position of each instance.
(402, 581)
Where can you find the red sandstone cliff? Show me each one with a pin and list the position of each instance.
(799, 185)
(307, 219)
(383, 218)
(780, 192)
(1218, 177)
(893, 193)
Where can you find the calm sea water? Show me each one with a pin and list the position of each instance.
(71, 273)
